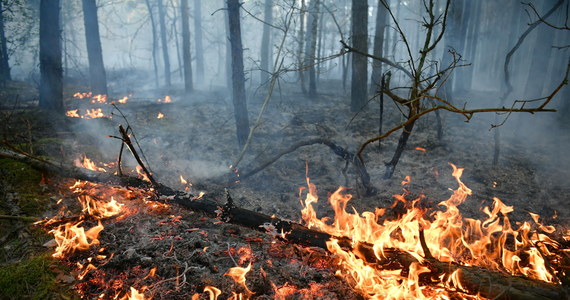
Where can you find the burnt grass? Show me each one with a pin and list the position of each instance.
(196, 139)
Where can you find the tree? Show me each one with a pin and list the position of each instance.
(311, 46)
(186, 55)
(238, 77)
(164, 42)
(268, 19)
(359, 81)
(453, 43)
(51, 72)
(4, 62)
(301, 47)
(199, 53)
(381, 20)
(97, 76)
(154, 42)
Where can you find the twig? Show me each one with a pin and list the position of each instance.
(127, 141)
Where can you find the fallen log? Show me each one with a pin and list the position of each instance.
(474, 280)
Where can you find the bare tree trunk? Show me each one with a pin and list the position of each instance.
(97, 76)
(310, 55)
(265, 41)
(51, 85)
(238, 78)
(228, 49)
(4, 62)
(163, 36)
(381, 19)
(452, 42)
(301, 46)
(154, 43)
(359, 82)
(199, 53)
(186, 55)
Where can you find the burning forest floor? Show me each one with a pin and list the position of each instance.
(166, 251)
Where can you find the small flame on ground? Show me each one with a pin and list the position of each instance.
(238, 275)
(160, 115)
(71, 237)
(421, 149)
(213, 292)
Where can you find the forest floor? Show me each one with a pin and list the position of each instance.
(196, 139)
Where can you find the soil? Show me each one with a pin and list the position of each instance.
(196, 139)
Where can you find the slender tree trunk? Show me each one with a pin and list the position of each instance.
(471, 46)
(301, 46)
(199, 53)
(154, 43)
(359, 82)
(228, 49)
(97, 75)
(186, 56)
(310, 55)
(164, 41)
(381, 19)
(453, 41)
(4, 59)
(265, 41)
(238, 77)
(176, 34)
(51, 72)
(321, 46)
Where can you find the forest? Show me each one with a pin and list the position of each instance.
(177, 149)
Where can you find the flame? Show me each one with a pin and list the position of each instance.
(134, 295)
(167, 99)
(142, 174)
(72, 113)
(100, 209)
(213, 292)
(160, 115)
(71, 237)
(123, 100)
(183, 181)
(82, 95)
(238, 275)
(449, 236)
(87, 163)
(420, 149)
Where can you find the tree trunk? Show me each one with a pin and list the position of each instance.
(381, 19)
(154, 43)
(539, 61)
(186, 56)
(97, 76)
(452, 42)
(199, 53)
(51, 72)
(265, 41)
(359, 82)
(238, 77)
(4, 63)
(311, 47)
(471, 45)
(301, 46)
(163, 36)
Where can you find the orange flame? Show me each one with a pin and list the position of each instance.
(449, 236)
(160, 115)
(420, 149)
(71, 237)
(238, 275)
(213, 292)
(87, 163)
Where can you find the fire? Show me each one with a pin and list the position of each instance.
(448, 235)
(238, 275)
(71, 237)
(167, 99)
(87, 163)
(142, 174)
(420, 149)
(160, 115)
(213, 292)
(123, 100)
(134, 295)
(72, 113)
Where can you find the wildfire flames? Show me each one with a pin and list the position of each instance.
(491, 243)
(443, 235)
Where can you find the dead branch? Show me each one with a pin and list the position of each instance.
(338, 150)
